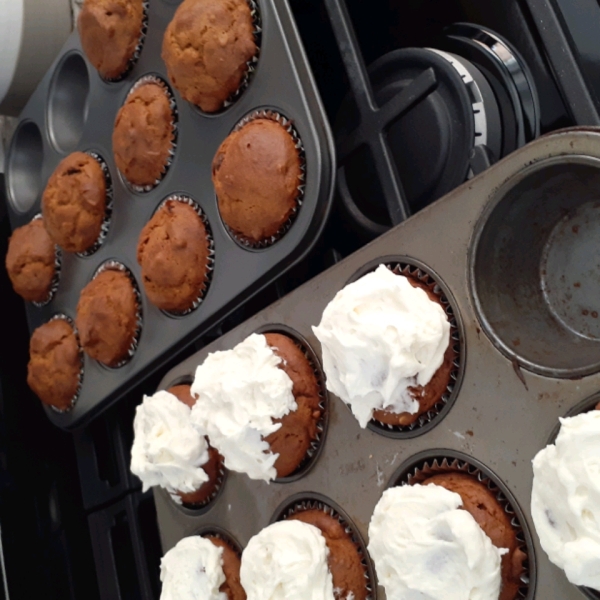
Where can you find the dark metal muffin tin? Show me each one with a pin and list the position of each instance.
(74, 109)
(483, 241)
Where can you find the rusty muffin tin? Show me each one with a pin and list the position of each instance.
(510, 247)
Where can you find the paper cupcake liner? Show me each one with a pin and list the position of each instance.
(108, 210)
(210, 265)
(201, 506)
(117, 266)
(288, 126)
(438, 464)
(56, 277)
(63, 317)
(317, 502)
(315, 446)
(138, 49)
(156, 80)
(447, 399)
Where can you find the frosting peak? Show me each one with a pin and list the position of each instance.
(167, 450)
(287, 561)
(239, 394)
(426, 548)
(565, 499)
(381, 336)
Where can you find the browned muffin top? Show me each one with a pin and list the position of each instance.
(215, 461)
(231, 569)
(430, 394)
(107, 317)
(30, 261)
(110, 32)
(206, 47)
(143, 135)
(344, 561)
(256, 173)
(173, 251)
(298, 428)
(74, 202)
(493, 519)
(54, 365)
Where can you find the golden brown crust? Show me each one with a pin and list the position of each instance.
(107, 317)
(143, 135)
(110, 32)
(173, 251)
(492, 518)
(430, 394)
(74, 202)
(215, 461)
(256, 173)
(347, 570)
(231, 569)
(54, 365)
(298, 428)
(206, 48)
(30, 261)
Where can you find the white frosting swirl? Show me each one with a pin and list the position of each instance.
(287, 561)
(426, 548)
(239, 392)
(380, 336)
(167, 449)
(192, 569)
(565, 500)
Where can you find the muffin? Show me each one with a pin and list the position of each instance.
(201, 567)
(31, 262)
(54, 369)
(144, 133)
(174, 253)
(111, 33)
(74, 202)
(107, 317)
(492, 517)
(257, 173)
(424, 545)
(259, 405)
(386, 347)
(213, 467)
(344, 561)
(206, 48)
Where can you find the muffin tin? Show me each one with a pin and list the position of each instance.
(528, 355)
(74, 109)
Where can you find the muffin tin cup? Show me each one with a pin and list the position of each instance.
(310, 501)
(222, 534)
(105, 226)
(314, 450)
(70, 321)
(114, 265)
(201, 507)
(56, 277)
(430, 463)
(156, 80)
(288, 126)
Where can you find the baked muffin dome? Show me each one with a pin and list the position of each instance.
(206, 48)
(110, 32)
(31, 261)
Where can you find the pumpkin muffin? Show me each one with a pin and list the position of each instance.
(143, 135)
(31, 262)
(232, 587)
(111, 33)
(174, 253)
(206, 48)
(74, 202)
(257, 172)
(107, 317)
(54, 368)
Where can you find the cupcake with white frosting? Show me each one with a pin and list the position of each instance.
(425, 546)
(565, 499)
(386, 347)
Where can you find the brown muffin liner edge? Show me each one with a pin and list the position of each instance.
(201, 506)
(56, 277)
